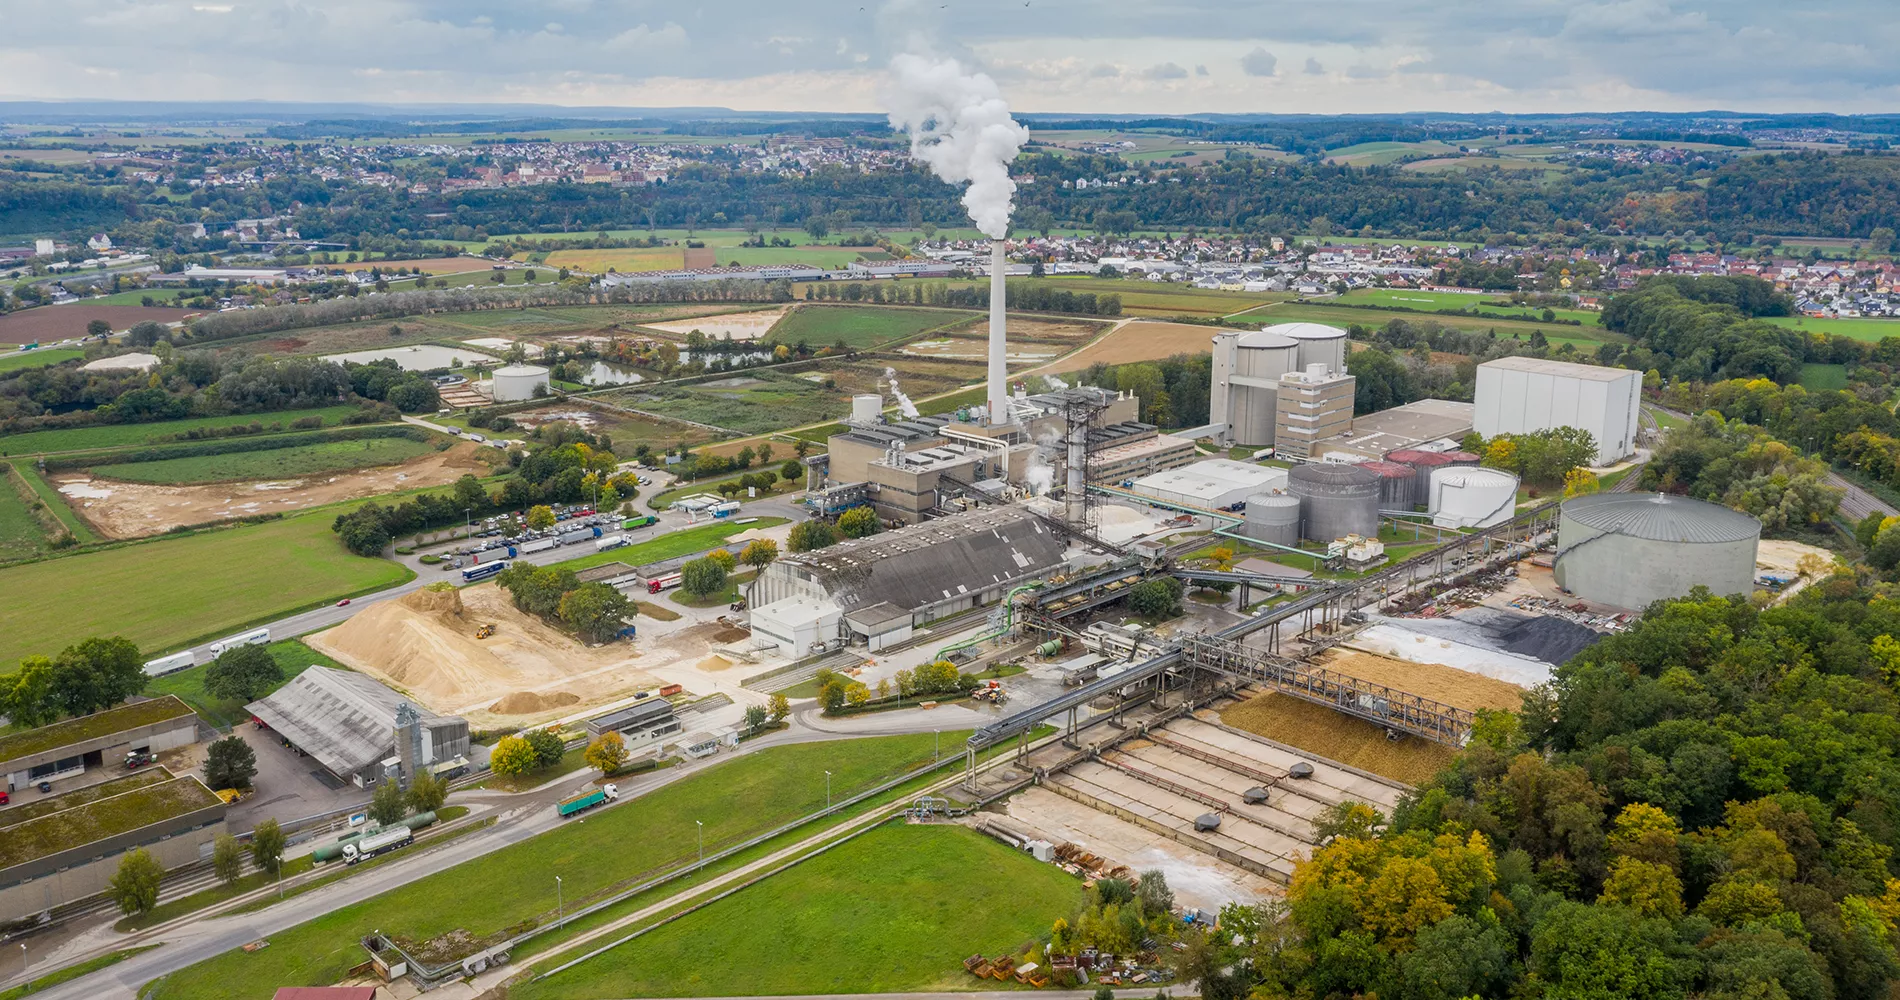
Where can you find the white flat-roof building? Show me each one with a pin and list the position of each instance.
(1522, 395)
(1211, 484)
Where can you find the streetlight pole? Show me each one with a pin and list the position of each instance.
(937, 750)
(468, 521)
(560, 904)
(29, 979)
(700, 829)
(827, 791)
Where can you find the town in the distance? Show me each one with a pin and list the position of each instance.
(527, 551)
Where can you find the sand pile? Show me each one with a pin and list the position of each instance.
(425, 645)
(712, 663)
(1429, 680)
(1318, 729)
(530, 702)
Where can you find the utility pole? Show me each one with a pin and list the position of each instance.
(560, 904)
(701, 830)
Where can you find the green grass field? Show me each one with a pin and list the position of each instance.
(941, 893)
(54, 504)
(745, 403)
(168, 592)
(276, 463)
(741, 798)
(1401, 298)
(860, 327)
(21, 534)
(38, 358)
(1870, 330)
(1824, 376)
(137, 297)
(1153, 298)
(291, 655)
(1582, 337)
(669, 546)
(120, 435)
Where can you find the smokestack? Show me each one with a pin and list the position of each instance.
(999, 367)
(1074, 493)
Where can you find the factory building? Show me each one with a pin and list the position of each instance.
(902, 465)
(1521, 395)
(1210, 484)
(65, 752)
(1632, 549)
(360, 730)
(1424, 425)
(876, 590)
(1248, 371)
(1314, 404)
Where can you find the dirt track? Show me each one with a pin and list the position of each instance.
(526, 672)
(133, 510)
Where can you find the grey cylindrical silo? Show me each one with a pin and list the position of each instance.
(1398, 484)
(1335, 500)
(1629, 549)
(1273, 518)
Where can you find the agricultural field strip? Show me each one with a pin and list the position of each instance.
(845, 830)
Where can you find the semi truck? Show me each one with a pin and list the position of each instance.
(575, 805)
(659, 583)
(255, 637)
(484, 571)
(579, 535)
(637, 522)
(726, 509)
(610, 542)
(538, 545)
(380, 842)
(168, 664)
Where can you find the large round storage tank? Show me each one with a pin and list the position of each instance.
(1461, 458)
(514, 383)
(1422, 464)
(1319, 344)
(1335, 500)
(1632, 549)
(1259, 358)
(1273, 518)
(1397, 484)
(865, 408)
(1469, 497)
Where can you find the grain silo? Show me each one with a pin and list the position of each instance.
(1464, 497)
(1335, 500)
(513, 383)
(1631, 549)
(1243, 393)
(1273, 518)
(1398, 484)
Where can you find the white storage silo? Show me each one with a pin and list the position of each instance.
(1247, 370)
(1319, 344)
(866, 407)
(1632, 549)
(514, 383)
(1273, 518)
(1463, 497)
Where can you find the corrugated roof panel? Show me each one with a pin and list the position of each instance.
(1662, 517)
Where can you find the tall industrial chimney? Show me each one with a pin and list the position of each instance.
(1075, 493)
(999, 366)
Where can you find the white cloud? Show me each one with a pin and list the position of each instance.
(1165, 71)
(1313, 68)
(1259, 62)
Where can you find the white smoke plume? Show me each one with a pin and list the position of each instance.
(1054, 384)
(904, 405)
(960, 126)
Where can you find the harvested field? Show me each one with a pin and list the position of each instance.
(1071, 331)
(627, 429)
(620, 259)
(977, 349)
(738, 326)
(47, 324)
(1141, 340)
(132, 510)
(1428, 680)
(425, 644)
(918, 377)
(1339, 737)
(701, 257)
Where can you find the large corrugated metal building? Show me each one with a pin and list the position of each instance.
(349, 723)
(1521, 395)
(1632, 549)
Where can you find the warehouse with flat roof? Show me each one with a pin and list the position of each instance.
(1210, 484)
(64, 751)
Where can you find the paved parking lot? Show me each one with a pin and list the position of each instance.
(288, 786)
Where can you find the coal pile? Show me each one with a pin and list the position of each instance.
(1552, 640)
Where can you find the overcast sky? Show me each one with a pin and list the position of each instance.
(1139, 56)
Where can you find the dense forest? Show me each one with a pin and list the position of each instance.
(1706, 805)
(1841, 195)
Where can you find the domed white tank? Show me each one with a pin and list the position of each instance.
(1463, 497)
(514, 383)
(1273, 518)
(865, 408)
(1319, 344)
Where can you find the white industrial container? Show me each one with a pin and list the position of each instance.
(1319, 344)
(1244, 393)
(865, 408)
(1463, 497)
(514, 383)
(1632, 549)
(1520, 395)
